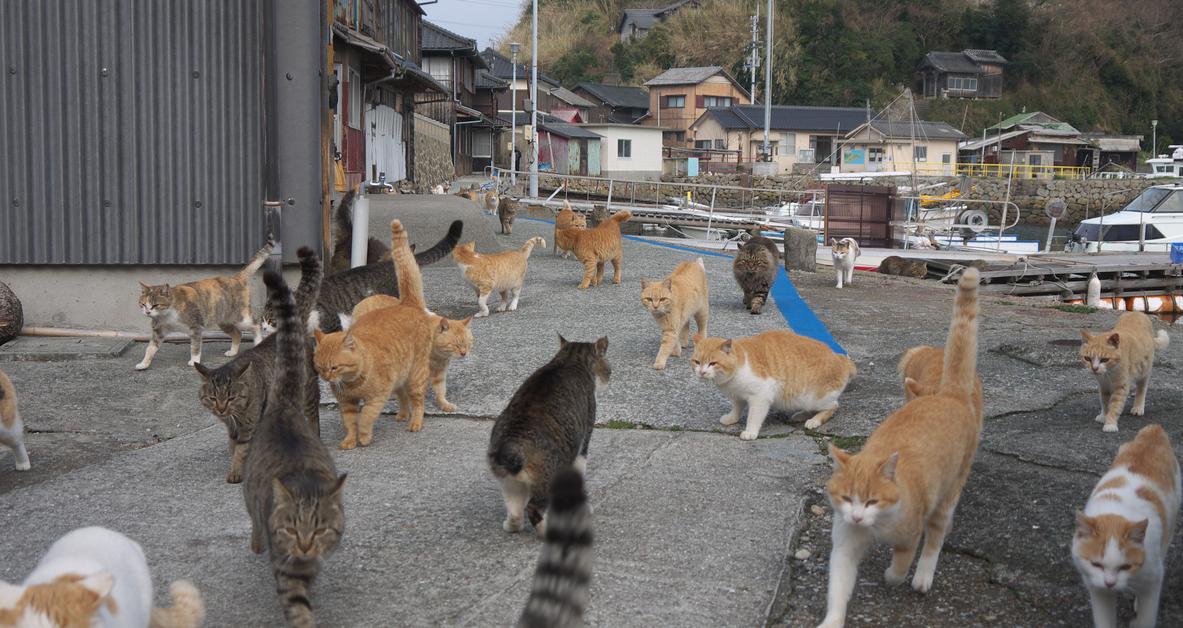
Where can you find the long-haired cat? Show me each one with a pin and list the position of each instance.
(566, 222)
(1123, 532)
(844, 252)
(595, 247)
(236, 392)
(503, 273)
(754, 269)
(343, 242)
(906, 481)
(1120, 358)
(290, 485)
(775, 369)
(546, 428)
(93, 577)
(507, 211)
(12, 428)
(673, 301)
(563, 576)
(223, 301)
(920, 370)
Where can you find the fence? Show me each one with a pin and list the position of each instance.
(1019, 171)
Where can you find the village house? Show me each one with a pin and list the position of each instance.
(491, 92)
(800, 137)
(569, 106)
(635, 23)
(1029, 139)
(563, 148)
(966, 74)
(501, 67)
(1107, 151)
(679, 96)
(901, 146)
(614, 103)
(628, 151)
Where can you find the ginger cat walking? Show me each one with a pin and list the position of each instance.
(921, 367)
(566, 224)
(503, 273)
(596, 247)
(673, 302)
(1119, 358)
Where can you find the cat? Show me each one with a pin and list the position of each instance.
(906, 481)
(12, 428)
(896, 265)
(565, 222)
(920, 370)
(754, 268)
(471, 194)
(225, 301)
(438, 189)
(290, 485)
(595, 247)
(775, 369)
(491, 202)
(844, 253)
(599, 215)
(236, 392)
(96, 577)
(507, 211)
(503, 273)
(343, 244)
(563, 575)
(545, 428)
(1119, 358)
(673, 302)
(1123, 532)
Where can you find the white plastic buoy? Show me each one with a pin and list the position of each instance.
(1093, 298)
(361, 230)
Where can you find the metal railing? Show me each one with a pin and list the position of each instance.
(1020, 171)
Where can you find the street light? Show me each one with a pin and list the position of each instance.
(514, 47)
(1153, 138)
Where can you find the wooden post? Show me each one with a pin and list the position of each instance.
(326, 133)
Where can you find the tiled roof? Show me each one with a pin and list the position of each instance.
(617, 95)
(984, 56)
(647, 18)
(549, 123)
(955, 62)
(790, 118)
(685, 76)
(921, 129)
(485, 80)
(435, 37)
(570, 97)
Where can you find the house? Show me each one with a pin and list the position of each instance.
(614, 103)
(635, 23)
(569, 106)
(491, 92)
(628, 151)
(801, 137)
(563, 148)
(901, 146)
(1030, 139)
(501, 67)
(966, 74)
(1108, 152)
(678, 96)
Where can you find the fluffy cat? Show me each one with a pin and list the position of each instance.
(906, 481)
(595, 247)
(896, 265)
(290, 485)
(754, 268)
(502, 273)
(566, 222)
(844, 253)
(12, 429)
(1123, 532)
(775, 369)
(96, 577)
(224, 301)
(507, 211)
(343, 244)
(236, 392)
(673, 302)
(920, 370)
(546, 428)
(564, 571)
(1119, 358)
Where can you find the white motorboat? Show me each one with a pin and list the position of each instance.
(1167, 165)
(1150, 222)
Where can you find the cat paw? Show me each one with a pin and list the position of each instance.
(659, 366)
(445, 406)
(23, 465)
(415, 426)
(812, 424)
(890, 577)
(502, 307)
(729, 419)
(829, 622)
(1109, 427)
(365, 439)
(348, 443)
(142, 365)
(748, 435)
(1137, 411)
(480, 315)
(234, 477)
(231, 353)
(922, 582)
(513, 308)
(1100, 418)
(512, 525)
(402, 416)
(193, 361)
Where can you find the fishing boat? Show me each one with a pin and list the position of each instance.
(1167, 165)
(1151, 222)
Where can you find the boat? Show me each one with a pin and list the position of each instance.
(1151, 222)
(1167, 165)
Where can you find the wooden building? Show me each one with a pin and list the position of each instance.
(966, 74)
(614, 103)
(678, 96)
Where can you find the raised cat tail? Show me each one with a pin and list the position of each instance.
(256, 262)
(443, 247)
(288, 385)
(563, 574)
(343, 218)
(187, 611)
(1161, 340)
(961, 349)
(621, 217)
(410, 280)
(531, 243)
(309, 289)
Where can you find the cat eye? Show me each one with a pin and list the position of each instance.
(713, 364)
(1104, 360)
(846, 498)
(1098, 565)
(1125, 568)
(872, 502)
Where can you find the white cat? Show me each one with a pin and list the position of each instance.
(96, 577)
(844, 252)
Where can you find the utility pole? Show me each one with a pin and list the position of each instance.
(534, 103)
(767, 84)
(513, 122)
(754, 53)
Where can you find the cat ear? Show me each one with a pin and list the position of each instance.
(1114, 339)
(339, 485)
(346, 321)
(1085, 335)
(726, 346)
(202, 369)
(280, 495)
(913, 387)
(602, 345)
(644, 283)
(320, 335)
(145, 286)
(887, 469)
(443, 324)
(349, 343)
(833, 241)
(563, 342)
(668, 284)
(101, 583)
(840, 457)
(1137, 532)
(1084, 524)
(466, 322)
(239, 369)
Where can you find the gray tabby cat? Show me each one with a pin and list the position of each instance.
(507, 211)
(755, 271)
(236, 392)
(343, 243)
(546, 428)
(563, 575)
(291, 487)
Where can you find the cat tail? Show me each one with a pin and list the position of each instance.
(256, 262)
(959, 374)
(187, 611)
(531, 243)
(1161, 340)
(623, 216)
(563, 575)
(443, 247)
(343, 219)
(288, 385)
(309, 289)
(410, 280)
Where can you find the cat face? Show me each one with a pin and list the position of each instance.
(1108, 549)
(307, 528)
(69, 601)
(839, 249)
(713, 359)
(453, 338)
(1099, 352)
(333, 360)
(591, 354)
(862, 491)
(657, 296)
(224, 391)
(155, 300)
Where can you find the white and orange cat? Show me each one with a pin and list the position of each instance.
(673, 301)
(12, 429)
(1120, 358)
(905, 483)
(775, 369)
(1123, 532)
(503, 273)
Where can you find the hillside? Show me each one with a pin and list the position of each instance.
(1096, 64)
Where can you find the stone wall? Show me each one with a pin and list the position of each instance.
(433, 154)
(1084, 199)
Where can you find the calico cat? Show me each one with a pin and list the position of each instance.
(224, 301)
(1119, 358)
(12, 429)
(343, 244)
(920, 370)
(595, 247)
(844, 252)
(545, 428)
(564, 571)
(507, 211)
(290, 485)
(896, 265)
(1123, 533)
(96, 577)
(673, 302)
(755, 271)
(775, 369)
(503, 273)
(906, 481)
(236, 392)
(566, 222)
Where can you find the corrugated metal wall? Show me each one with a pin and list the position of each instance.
(131, 131)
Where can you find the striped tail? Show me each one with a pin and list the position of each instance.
(531, 243)
(187, 611)
(309, 289)
(563, 575)
(286, 398)
(256, 262)
(959, 374)
(622, 216)
(443, 247)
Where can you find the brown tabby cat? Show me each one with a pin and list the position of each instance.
(673, 302)
(503, 272)
(224, 301)
(565, 223)
(595, 247)
(896, 265)
(755, 270)
(507, 211)
(12, 429)
(1119, 358)
(921, 367)
(343, 242)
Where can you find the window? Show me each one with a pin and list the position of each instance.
(720, 144)
(805, 155)
(789, 141)
(674, 102)
(1174, 203)
(875, 154)
(624, 148)
(946, 158)
(703, 144)
(963, 83)
(920, 153)
(354, 99)
(716, 101)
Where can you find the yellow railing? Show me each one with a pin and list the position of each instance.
(1018, 171)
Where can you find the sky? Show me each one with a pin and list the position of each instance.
(482, 20)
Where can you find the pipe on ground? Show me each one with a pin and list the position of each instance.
(66, 332)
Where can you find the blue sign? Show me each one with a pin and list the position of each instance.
(692, 166)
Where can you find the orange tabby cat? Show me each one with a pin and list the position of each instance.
(501, 272)
(921, 367)
(906, 481)
(673, 302)
(1121, 357)
(596, 247)
(566, 223)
